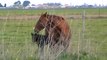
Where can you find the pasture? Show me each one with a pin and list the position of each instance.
(16, 27)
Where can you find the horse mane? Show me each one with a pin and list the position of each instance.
(52, 16)
(55, 17)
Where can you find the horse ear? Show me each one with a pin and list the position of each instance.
(45, 14)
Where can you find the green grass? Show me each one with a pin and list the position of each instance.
(95, 40)
(72, 11)
(16, 44)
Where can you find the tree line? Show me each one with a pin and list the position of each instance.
(18, 4)
(2, 5)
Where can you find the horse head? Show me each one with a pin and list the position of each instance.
(41, 22)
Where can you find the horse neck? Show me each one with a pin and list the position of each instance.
(51, 17)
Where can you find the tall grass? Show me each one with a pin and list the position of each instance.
(18, 45)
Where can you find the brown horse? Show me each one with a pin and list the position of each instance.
(56, 28)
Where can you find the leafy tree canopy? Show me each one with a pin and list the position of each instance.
(26, 3)
(17, 3)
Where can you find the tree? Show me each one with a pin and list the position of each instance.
(26, 3)
(5, 5)
(17, 4)
(1, 5)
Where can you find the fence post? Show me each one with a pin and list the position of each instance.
(83, 31)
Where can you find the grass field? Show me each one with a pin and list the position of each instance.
(15, 37)
(72, 11)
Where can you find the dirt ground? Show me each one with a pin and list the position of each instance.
(25, 17)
